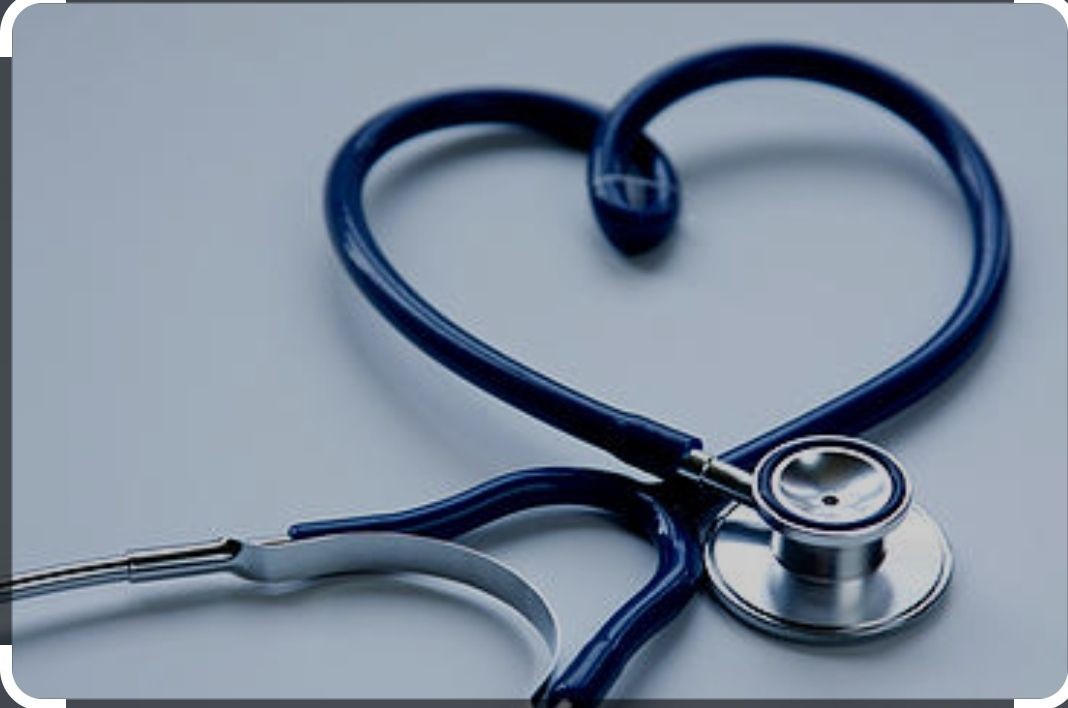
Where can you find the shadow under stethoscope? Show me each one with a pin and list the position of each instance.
(927, 180)
(700, 175)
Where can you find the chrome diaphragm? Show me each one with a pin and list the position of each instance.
(831, 548)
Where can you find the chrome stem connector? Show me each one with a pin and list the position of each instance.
(707, 471)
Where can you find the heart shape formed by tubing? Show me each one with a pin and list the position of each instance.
(621, 157)
(820, 542)
(615, 151)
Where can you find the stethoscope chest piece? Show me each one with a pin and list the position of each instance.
(834, 549)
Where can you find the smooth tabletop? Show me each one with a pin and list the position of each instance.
(190, 359)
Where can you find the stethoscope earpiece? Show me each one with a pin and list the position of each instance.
(832, 549)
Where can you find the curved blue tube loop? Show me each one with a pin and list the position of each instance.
(635, 228)
(634, 439)
(591, 673)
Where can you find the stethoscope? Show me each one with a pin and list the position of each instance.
(804, 531)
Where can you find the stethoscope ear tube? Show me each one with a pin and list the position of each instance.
(312, 558)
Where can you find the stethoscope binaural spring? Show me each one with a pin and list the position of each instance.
(803, 531)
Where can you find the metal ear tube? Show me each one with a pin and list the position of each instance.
(296, 559)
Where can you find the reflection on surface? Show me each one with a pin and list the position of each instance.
(832, 484)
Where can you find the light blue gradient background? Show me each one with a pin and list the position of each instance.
(190, 360)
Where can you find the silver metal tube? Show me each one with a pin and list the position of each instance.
(135, 566)
(707, 471)
(179, 561)
(64, 577)
(827, 563)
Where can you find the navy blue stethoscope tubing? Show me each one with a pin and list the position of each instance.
(635, 505)
(634, 230)
(616, 150)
